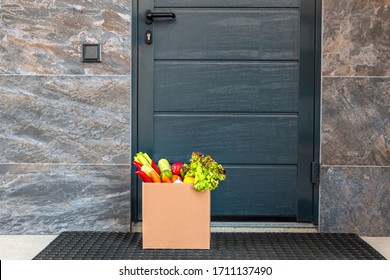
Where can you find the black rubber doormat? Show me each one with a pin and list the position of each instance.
(224, 246)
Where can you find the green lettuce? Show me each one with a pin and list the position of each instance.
(206, 170)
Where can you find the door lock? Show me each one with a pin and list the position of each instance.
(148, 37)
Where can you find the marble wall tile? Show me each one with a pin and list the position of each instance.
(65, 119)
(49, 199)
(356, 38)
(355, 200)
(356, 121)
(44, 36)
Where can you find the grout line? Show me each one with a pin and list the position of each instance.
(68, 164)
(362, 166)
(129, 74)
(351, 77)
(63, 75)
(129, 164)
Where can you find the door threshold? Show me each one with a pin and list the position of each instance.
(252, 227)
(262, 227)
(263, 224)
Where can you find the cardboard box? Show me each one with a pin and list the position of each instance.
(175, 216)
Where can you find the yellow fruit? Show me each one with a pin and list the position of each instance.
(189, 179)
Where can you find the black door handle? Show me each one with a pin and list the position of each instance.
(149, 16)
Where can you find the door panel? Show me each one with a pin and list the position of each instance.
(233, 79)
(238, 139)
(226, 86)
(227, 3)
(228, 34)
(249, 199)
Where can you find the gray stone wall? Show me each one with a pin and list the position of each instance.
(355, 151)
(65, 125)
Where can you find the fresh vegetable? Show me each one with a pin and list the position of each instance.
(144, 177)
(147, 158)
(167, 172)
(155, 167)
(203, 171)
(175, 168)
(137, 164)
(145, 164)
(206, 170)
(165, 178)
(183, 170)
(142, 158)
(163, 164)
(151, 173)
(147, 169)
(189, 179)
(155, 177)
(176, 178)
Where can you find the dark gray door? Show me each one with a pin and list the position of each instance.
(233, 79)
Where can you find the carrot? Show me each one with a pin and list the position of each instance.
(155, 177)
(165, 178)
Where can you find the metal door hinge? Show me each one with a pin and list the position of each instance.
(315, 172)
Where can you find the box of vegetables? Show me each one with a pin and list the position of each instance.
(176, 200)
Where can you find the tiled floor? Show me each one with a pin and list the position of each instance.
(25, 247)
(381, 244)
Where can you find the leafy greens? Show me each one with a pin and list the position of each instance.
(206, 170)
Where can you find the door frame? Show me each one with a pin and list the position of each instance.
(312, 85)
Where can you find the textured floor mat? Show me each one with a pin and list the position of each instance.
(224, 246)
